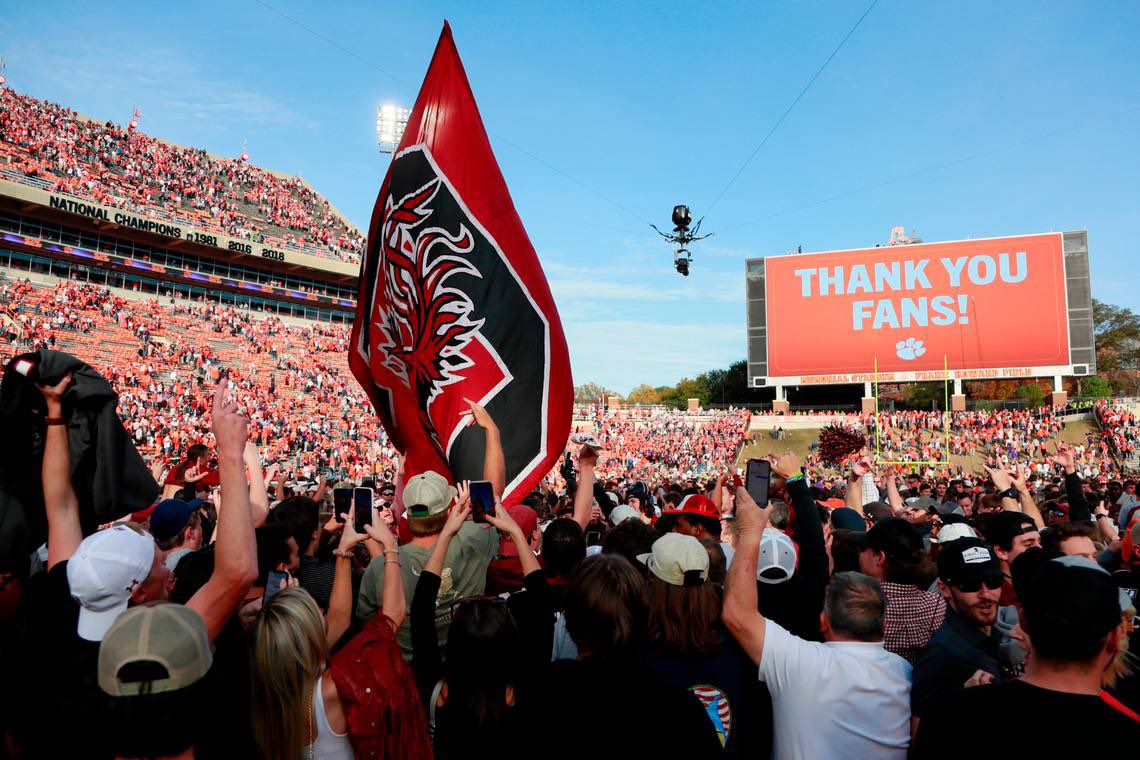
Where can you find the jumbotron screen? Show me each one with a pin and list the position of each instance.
(1003, 307)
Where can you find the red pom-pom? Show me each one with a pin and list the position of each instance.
(838, 442)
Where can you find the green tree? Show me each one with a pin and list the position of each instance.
(590, 393)
(1096, 386)
(1117, 333)
(1032, 393)
(922, 395)
(643, 394)
(678, 396)
(728, 386)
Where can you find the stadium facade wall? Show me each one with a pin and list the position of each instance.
(177, 230)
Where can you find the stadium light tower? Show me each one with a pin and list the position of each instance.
(390, 122)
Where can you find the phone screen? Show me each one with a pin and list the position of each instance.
(757, 477)
(482, 500)
(362, 500)
(274, 583)
(342, 502)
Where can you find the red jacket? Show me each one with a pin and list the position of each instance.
(378, 692)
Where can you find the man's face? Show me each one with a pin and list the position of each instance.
(924, 490)
(157, 585)
(1115, 489)
(1021, 543)
(979, 607)
(294, 555)
(387, 495)
(1079, 546)
(870, 562)
(912, 482)
(689, 529)
(917, 516)
(1130, 488)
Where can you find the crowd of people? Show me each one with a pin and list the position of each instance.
(240, 609)
(1004, 437)
(124, 168)
(303, 405)
(656, 444)
(795, 618)
(1120, 434)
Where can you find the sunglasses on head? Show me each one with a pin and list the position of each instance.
(973, 585)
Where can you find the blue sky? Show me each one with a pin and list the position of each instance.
(652, 104)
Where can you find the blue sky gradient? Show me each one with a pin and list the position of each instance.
(1035, 108)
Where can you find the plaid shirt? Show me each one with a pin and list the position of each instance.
(913, 616)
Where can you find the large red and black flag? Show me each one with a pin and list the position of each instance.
(453, 303)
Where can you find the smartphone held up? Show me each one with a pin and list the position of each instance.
(756, 479)
(362, 499)
(482, 500)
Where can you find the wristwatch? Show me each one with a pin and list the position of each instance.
(1009, 493)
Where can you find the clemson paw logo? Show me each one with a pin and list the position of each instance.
(909, 349)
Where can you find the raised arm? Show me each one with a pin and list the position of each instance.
(427, 662)
(1004, 481)
(584, 496)
(494, 464)
(812, 564)
(1028, 505)
(740, 612)
(503, 521)
(859, 468)
(393, 603)
(322, 490)
(1078, 505)
(235, 553)
(258, 496)
(60, 502)
(340, 599)
(894, 498)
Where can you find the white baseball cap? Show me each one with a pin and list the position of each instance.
(623, 512)
(428, 494)
(102, 573)
(953, 532)
(677, 559)
(778, 556)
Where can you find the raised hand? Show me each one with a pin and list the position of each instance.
(456, 517)
(785, 464)
(1001, 478)
(750, 516)
(862, 466)
(53, 394)
(463, 494)
(1065, 458)
(348, 536)
(379, 531)
(231, 429)
(502, 520)
(479, 415)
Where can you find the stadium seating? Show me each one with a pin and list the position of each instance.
(308, 412)
(56, 149)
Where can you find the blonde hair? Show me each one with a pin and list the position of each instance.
(1121, 665)
(289, 655)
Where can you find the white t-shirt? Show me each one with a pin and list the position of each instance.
(841, 699)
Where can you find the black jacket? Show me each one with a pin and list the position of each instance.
(108, 474)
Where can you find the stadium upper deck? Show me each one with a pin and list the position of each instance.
(50, 148)
(93, 202)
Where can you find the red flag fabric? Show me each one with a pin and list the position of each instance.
(453, 302)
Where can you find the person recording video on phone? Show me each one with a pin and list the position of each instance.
(428, 499)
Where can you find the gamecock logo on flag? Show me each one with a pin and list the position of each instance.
(453, 303)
